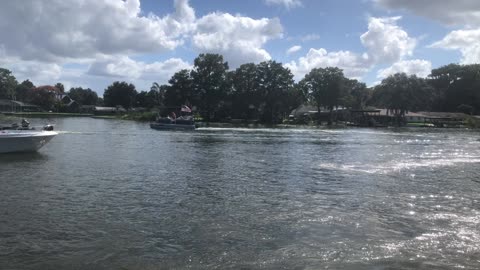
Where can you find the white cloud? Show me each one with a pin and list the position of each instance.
(93, 29)
(385, 41)
(239, 39)
(353, 65)
(43, 73)
(127, 68)
(459, 12)
(106, 35)
(294, 49)
(466, 41)
(463, 13)
(421, 68)
(57, 30)
(288, 4)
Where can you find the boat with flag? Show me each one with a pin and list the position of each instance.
(183, 122)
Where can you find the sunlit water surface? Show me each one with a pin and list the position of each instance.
(108, 194)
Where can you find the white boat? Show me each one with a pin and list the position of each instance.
(24, 140)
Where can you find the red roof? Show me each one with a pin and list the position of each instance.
(48, 88)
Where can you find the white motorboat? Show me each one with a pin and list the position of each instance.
(24, 140)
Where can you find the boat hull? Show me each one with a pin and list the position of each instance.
(165, 126)
(18, 141)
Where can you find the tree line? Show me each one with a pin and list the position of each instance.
(267, 92)
(43, 96)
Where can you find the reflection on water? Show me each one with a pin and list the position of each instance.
(19, 158)
(108, 194)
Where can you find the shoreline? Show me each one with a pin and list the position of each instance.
(47, 114)
(146, 117)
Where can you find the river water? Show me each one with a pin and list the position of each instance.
(112, 194)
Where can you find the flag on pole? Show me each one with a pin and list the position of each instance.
(186, 109)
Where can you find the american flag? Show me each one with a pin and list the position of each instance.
(186, 109)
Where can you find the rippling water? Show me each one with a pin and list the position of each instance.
(108, 194)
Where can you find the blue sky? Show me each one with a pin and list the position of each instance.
(92, 43)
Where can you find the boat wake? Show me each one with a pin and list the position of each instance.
(398, 166)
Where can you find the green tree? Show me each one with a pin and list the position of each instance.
(180, 91)
(455, 85)
(21, 91)
(158, 93)
(273, 82)
(356, 94)
(7, 84)
(43, 98)
(60, 87)
(245, 95)
(120, 93)
(293, 98)
(400, 94)
(210, 83)
(84, 96)
(147, 99)
(324, 87)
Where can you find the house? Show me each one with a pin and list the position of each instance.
(59, 95)
(305, 113)
(71, 105)
(7, 105)
(302, 111)
(109, 110)
(415, 117)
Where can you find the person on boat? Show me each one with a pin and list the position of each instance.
(172, 116)
(25, 123)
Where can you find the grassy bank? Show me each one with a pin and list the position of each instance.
(139, 116)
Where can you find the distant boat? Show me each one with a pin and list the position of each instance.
(24, 140)
(171, 122)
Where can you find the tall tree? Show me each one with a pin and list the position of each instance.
(356, 94)
(180, 91)
(84, 96)
(158, 93)
(245, 95)
(7, 84)
(21, 91)
(400, 93)
(120, 93)
(209, 76)
(456, 85)
(43, 98)
(147, 99)
(273, 82)
(324, 87)
(60, 87)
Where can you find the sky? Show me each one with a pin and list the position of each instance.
(92, 43)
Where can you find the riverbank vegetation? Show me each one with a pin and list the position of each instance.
(266, 92)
